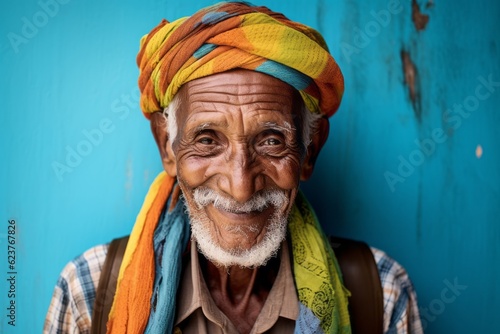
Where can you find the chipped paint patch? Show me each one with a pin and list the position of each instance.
(410, 75)
(479, 151)
(419, 20)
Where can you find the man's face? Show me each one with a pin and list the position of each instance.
(238, 163)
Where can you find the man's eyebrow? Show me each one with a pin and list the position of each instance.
(286, 127)
(200, 127)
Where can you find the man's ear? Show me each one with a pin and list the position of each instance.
(318, 139)
(160, 133)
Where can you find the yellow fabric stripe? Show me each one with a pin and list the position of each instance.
(269, 37)
(316, 273)
(137, 230)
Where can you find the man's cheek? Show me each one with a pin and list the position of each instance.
(286, 174)
(192, 174)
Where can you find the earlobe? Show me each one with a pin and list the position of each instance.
(159, 130)
(318, 139)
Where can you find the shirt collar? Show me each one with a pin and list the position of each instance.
(282, 300)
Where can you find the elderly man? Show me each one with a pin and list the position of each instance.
(238, 98)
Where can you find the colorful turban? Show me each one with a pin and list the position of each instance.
(234, 35)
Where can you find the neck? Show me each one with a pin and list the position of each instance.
(240, 293)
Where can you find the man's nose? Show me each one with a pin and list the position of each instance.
(242, 176)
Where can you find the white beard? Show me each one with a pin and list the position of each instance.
(257, 255)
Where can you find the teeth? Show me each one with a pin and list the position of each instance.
(239, 212)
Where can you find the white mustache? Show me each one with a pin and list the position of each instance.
(204, 196)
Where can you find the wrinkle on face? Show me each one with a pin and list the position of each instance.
(235, 136)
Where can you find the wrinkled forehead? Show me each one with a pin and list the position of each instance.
(248, 90)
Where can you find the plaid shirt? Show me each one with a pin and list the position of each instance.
(70, 310)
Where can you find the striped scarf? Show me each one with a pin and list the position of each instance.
(322, 297)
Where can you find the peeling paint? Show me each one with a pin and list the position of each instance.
(419, 20)
(410, 75)
(479, 151)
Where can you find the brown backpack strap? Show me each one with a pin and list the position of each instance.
(361, 278)
(107, 285)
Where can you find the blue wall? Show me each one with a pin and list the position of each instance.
(404, 168)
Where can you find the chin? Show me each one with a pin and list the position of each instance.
(229, 233)
(256, 256)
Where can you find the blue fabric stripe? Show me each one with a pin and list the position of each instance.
(286, 74)
(63, 285)
(399, 307)
(213, 17)
(307, 322)
(385, 266)
(204, 50)
(170, 240)
(86, 281)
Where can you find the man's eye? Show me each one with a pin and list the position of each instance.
(206, 141)
(272, 142)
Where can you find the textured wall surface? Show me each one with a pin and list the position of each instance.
(412, 164)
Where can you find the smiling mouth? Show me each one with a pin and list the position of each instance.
(242, 212)
(244, 215)
(259, 208)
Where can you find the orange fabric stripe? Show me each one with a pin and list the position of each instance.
(131, 305)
